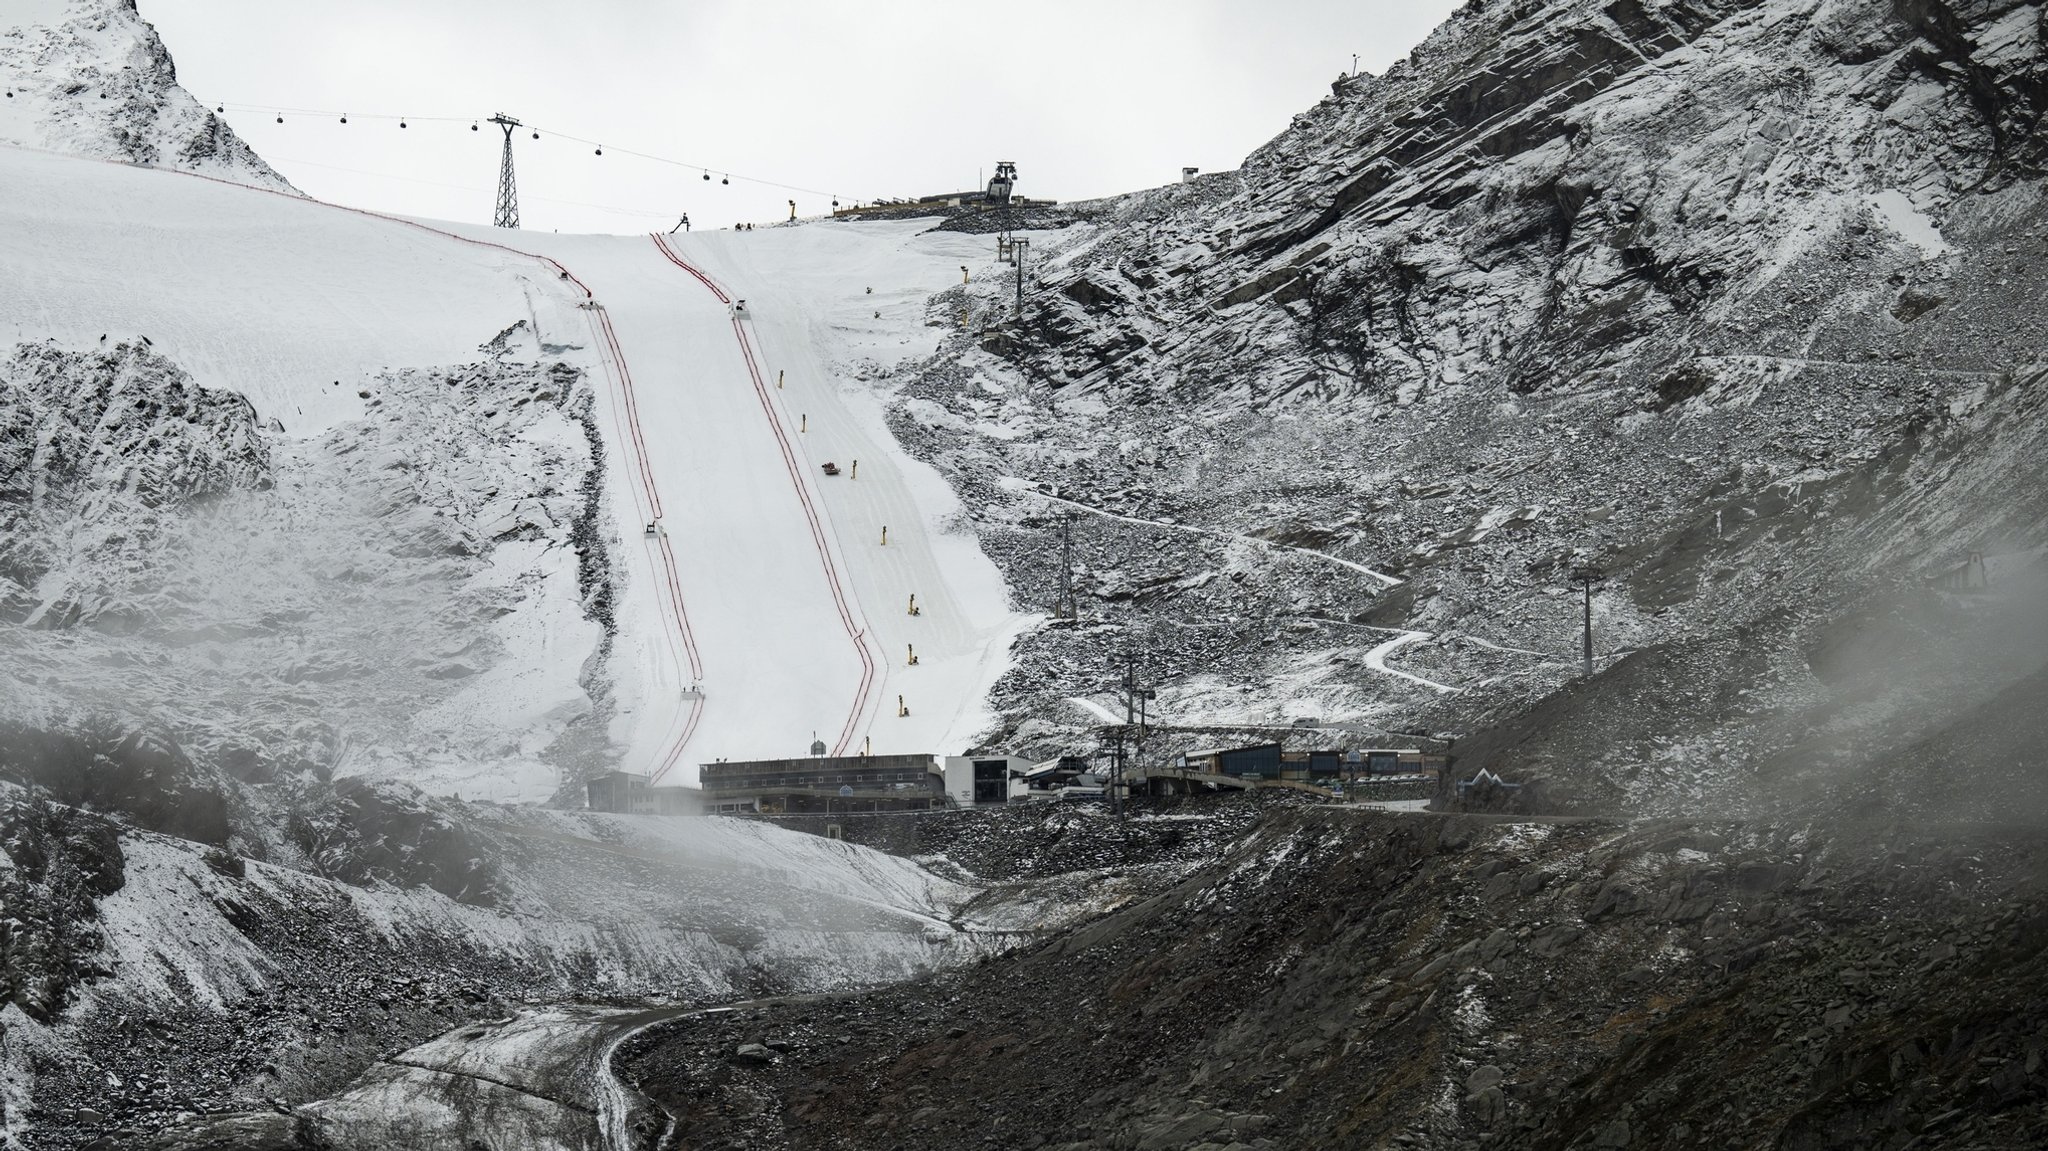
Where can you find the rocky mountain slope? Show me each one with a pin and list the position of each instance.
(255, 586)
(91, 78)
(1351, 980)
(150, 976)
(1728, 304)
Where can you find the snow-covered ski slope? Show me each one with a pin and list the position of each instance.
(768, 588)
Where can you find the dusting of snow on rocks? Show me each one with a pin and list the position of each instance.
(91, 78)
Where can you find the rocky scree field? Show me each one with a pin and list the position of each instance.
(160, 986)
(1344, 979)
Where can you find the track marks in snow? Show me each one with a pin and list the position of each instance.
(849, 611)
(1021, 486)
(1492, 646)
(647, 504)
(1095, 709)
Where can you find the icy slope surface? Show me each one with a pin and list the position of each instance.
(271, 296)
(90, 77)
(420, 588)
(118, 439)
(399, 595)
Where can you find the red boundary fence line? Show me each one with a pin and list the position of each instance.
(626, 413)
(675, 751)
(854, 631)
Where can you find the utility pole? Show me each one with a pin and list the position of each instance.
(1063, 608)
(507, 215)
(1116, 776)
(1145, 696)
(1129, 729)
(1135, 700)
(1019, 247)
(1130, 690)
(1588, 576)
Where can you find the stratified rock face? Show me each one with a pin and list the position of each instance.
(90, 77)
(95, 447)
(1735, 304)
(1552, 195)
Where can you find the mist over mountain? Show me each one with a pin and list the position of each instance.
(340, 554)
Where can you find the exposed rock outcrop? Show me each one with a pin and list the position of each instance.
(1728, 303)
(92, 78)
(96, 449)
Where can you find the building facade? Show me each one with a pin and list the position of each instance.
(985, 780)
(824, 784)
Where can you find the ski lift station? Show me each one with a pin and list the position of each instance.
(629, 793)
(999, 194)
(832, 784)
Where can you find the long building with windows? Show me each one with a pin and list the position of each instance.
(823, 784)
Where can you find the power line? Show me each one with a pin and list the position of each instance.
(726, 175)
(477, 188)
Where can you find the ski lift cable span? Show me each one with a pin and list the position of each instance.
(726, 176)
(613, 208)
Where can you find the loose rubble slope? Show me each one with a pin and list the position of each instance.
(1350, 980)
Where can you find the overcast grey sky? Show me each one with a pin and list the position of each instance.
(888, 98)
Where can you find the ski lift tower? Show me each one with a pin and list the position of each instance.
(507, 215)
(1005, 179)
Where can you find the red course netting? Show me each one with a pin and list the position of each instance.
(840, 598)
(608, 340)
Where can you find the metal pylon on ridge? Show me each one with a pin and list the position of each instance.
(508, 191)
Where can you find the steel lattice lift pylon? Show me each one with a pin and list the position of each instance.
(507, 215)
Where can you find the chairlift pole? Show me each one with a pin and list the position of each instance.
(507, 212)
